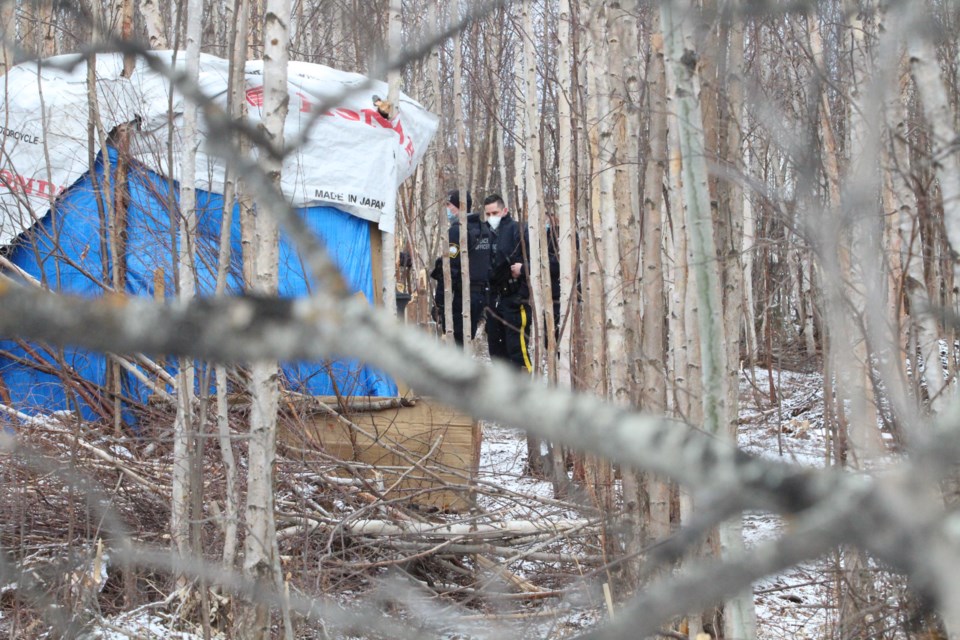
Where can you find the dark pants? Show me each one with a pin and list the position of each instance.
(508, 332)
(478, 303)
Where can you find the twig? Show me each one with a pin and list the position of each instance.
(144, 380)
(417, 465)
(542, 613)
(501, 572)
(103, 455)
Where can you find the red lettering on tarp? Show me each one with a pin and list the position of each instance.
(348, 114)
(34, 187)
(370, 117)
(255, 96)
(399, 129)
(26, 185)
(305, 105)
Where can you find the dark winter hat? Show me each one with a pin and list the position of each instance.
(454, 198)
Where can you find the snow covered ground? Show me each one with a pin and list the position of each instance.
(794, 604)
(797, 603)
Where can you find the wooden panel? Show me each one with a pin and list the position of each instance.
(427, 452)
(376, 263)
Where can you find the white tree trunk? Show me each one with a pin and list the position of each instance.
(589, 219)
(940, 115)
(260, 559)
(740, 620)
(502, 161)
(433, 216)
(925, 68)
(679, 43)
(153, 23)
(910, 251)
(462, 185)
(447, 283)
(184, 423)
(8, 23)
(520, 152)
(539, 260)
(681, 49)
(388, 240)
(653, 395)
(749, 253)
(613, 281)
(866, 265)
(47, 24)
(566, 236)
(237, 106)
(623, 73)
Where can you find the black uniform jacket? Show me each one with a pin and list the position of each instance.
(478, 244)
(509, 245)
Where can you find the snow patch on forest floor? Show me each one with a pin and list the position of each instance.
(786, 425)
(781, 418)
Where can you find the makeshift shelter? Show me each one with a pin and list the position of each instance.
(89, 221)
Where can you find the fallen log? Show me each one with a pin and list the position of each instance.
(505, 529)
(510, 553)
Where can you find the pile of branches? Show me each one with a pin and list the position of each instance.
(71, 492)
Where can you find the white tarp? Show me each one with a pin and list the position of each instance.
(352, 157)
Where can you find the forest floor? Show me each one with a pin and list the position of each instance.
(529, 596)
(787, 425)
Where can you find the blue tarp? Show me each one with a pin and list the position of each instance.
(64, 250)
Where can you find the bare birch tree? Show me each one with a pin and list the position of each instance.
(653, 395)
(682, 56)
(8, 21)
(185, 422)
(388, 241)
(261, 559)
(566, 236)
(463, 185)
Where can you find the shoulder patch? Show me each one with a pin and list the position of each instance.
(454, 250)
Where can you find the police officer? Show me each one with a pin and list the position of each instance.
(478, 245)
(508, 316)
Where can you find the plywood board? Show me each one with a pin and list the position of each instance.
(376, 263)
(426, 452)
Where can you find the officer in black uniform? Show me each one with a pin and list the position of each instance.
(508, 317)
(478, 245)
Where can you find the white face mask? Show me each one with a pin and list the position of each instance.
(494, 221)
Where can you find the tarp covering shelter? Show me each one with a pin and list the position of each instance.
(53, 204)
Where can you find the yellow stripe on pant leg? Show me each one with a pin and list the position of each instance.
(523, 340)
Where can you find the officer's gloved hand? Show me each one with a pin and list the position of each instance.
(500, 275)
